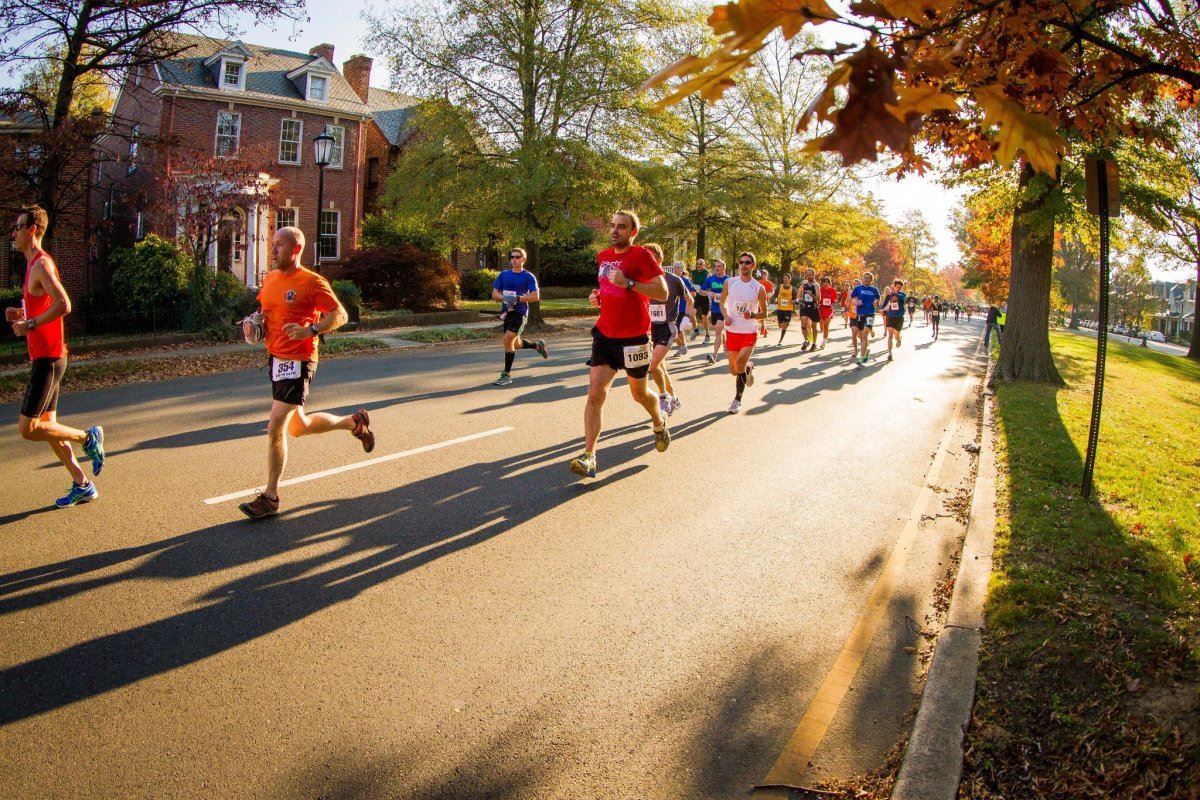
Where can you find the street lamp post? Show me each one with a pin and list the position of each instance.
(322, 151)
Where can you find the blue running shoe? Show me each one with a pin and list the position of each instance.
(78, 494)
(93, 447)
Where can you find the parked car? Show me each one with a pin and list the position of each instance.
(1156, 336)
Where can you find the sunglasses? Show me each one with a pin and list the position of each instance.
(746, 262)
(515, 258)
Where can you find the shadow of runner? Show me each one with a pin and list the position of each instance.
(381, 535)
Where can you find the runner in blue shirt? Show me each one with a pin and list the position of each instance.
(712, 288)
(687, 307)
(863, 298)
(515, 289)
(894, 304)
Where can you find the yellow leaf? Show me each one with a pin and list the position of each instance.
(920, 100)
(1035, 135)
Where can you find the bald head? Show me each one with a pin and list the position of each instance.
(287, 246)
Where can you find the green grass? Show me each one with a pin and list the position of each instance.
(335, 345)
(547, 305)
(447, 334)
(1093, 606)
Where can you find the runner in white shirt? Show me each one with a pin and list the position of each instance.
(744, 301)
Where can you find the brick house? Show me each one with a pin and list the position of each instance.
(1176, 316)
(226, 99)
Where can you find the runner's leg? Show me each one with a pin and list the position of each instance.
(600, 378)
(277, 449)
(63, 450)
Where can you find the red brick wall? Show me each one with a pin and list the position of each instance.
(375, 146)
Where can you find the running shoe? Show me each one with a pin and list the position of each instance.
(93, 448)
(707, 339)
(711, 358)
(664, 404)
(822, 347)
(504, 380)
(695, 333)
(804, 347)
(683, 350)
(541, 349)
(662, 438)
(735, 406)
(78, 494)
(676, 404)
(261, 506)
(889, 356)
(585, 465)
(362, 430)
(749, 375)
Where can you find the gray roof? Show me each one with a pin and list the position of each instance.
(393, 112)
(266, 74)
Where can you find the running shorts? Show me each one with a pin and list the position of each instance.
(826, 313)
(702, 303)
(41, 393)
(663, 333)
(811, 312)
(894, 322)
(862, 321)
(631, 355)
(290, 380)
(715, 315)
(783, 317)
(515, 322)
(736, 341)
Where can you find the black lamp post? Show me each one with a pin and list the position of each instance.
(322, 151)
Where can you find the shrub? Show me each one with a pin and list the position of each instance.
(151, 274)
(390, 230)
(349, 294)
(404, 276)
(477, 284)
(10, 297)
(232, 299)
(570, 263)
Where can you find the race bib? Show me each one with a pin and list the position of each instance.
(742, 309)
(284, 370)
(826, 301)
(658, 313)
(894, 306)
(808, 298)
(637, 355)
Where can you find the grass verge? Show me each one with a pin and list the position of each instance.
(447, 334)
(547, 305)
(84, 375)
(1088, 684)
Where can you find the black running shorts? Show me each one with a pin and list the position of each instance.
(663, 333)
(811, 312)
(862, 321)
(895, 322)
(702, 303)
(631, 355)
(41, 393)
(783, 317)
(715, 316)
(290, 380)
(515, 322)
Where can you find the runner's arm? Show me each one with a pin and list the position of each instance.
(721, 302)
(60, 306)
(655, 288)
(762, 305)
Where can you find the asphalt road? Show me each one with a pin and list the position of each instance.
(472, 621)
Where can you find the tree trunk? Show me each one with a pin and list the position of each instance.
(701, 235)
(1074, 317)
(532, 253)
(1194, 350)
(1025, 344)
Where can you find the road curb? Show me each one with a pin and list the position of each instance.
(933, 759)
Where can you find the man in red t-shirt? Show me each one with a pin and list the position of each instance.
(298, 305)
(44, 303)
(629, 277)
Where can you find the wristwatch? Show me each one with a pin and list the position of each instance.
(313, 329)
(31, 323)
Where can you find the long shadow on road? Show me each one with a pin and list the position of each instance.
(379, 537)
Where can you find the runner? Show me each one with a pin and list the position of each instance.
(848, 308)
(629, 279)
(664, 328)
(829, 297)
(712, 286)
(703, 301)
(864, 298)
(292, 300)
(927, 304)
(912, 310)
(785, 304)
(849, 304)
(686, 310)
(44, 303)
(893, 309)
(935, 314)
(516, 289)
(744, 301)
(764, 278)
(810, 314)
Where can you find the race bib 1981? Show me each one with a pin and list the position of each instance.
(658, 313)
(637, 355)
(284, 370)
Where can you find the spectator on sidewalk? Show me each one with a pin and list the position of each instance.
(991, 322)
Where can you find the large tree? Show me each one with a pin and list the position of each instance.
(983, 80)
(89, 43)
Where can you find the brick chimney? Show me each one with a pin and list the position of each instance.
(357, 71)
(325, 50)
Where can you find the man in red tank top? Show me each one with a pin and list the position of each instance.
(44, 303)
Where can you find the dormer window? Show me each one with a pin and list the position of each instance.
(231, 76)
(318, 88)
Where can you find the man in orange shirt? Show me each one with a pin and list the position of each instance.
(298, 305)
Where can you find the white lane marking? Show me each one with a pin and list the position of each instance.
(325, 473)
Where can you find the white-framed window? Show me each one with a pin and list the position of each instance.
(318, 88)
(231, 75)
(285, 218)
(339, 145)
(291, 133)
(329, 234)
(133, 149)
(229, 132)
